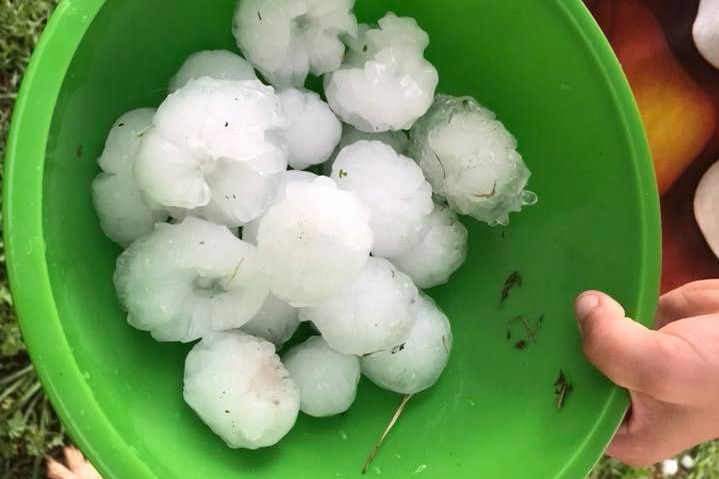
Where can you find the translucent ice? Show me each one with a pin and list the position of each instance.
(239, 388)
(276, 321)
(398, 140)
(374, 313)
(471, 159)
(186, 280)
(394, 189)
(124, 214)
(287, 39)
(441, 251)
(327, 380)
(314, 242)
(314, 130)
(385, 83)
(419, 362)
(215, 147)
(218, 64)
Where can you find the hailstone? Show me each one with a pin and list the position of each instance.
(185, 280)
(124, 214)
(327, 380)
(287, 39)
(374, 313)
(418, 363)
(314, 130)
(239, 388)
(440, 252)
(471, 159)
(276, 321)
(394, 189)
(219, 64)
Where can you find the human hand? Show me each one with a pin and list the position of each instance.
(75, 467)
(672, 373)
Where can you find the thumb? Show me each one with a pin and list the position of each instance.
(629, 354)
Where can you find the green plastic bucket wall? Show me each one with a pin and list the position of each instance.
(546, 70)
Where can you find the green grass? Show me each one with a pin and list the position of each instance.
(29, 429)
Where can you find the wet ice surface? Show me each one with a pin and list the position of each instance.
(419, 362)
(374, 313)
(240, 389)
(394, 189)
(314, 242)
(288, 39)
(218, 64)
(471, 159)
(385, 82)
(327, 380)
(187, 280)
(125, 215)
(276, 321)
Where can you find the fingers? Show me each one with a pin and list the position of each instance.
(693, 299)
(55, 470)
(655, 431)
(79, 465)
(664, 366)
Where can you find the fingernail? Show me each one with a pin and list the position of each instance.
(584, 305)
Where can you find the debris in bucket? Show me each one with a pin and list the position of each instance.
(562, 389)
(390, 425)
(514, 280)
(531, 330)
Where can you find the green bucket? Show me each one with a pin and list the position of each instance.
(550, 75)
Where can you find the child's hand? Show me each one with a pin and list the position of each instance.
(672, 373)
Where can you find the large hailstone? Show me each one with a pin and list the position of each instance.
(327, 380)
(471, 159)
(283, 180)
(287, 39)
(219, 64)
(398, 140)
(275, 322)
(394, 189)
(385, 82)
(124, 214)
(214, 149)
(186, 280)
(314, 242)
(239, 388)
(374, 313)
(314, 130)
(419, 362)
(440, 252)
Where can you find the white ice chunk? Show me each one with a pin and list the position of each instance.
(314, 242)
(419, 362)
(239, 388)
(441, 251)
(276, 321)
(374, 313)
(219, 64)
(125, 215)
(394, 189)
(471, 159)
(398, 140)
(186, 280)
(327, 380)
(314, 130)
(287, 39)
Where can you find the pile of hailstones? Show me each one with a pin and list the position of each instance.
(346, 251)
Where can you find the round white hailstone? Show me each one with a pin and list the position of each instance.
(327, 380)
(314, 130)
(287, 39)
(276, 321)
(688, 462)
(471, 159)
(219, 64)
(385, 82)
(314, 242)
(419, 362)
(239, 388)
(374, 313)
(394, 189)
(124, 214)
(216, 143)
(283, 180)
(439, 253)
(398, 140)
(670, 468)
(186, 280)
